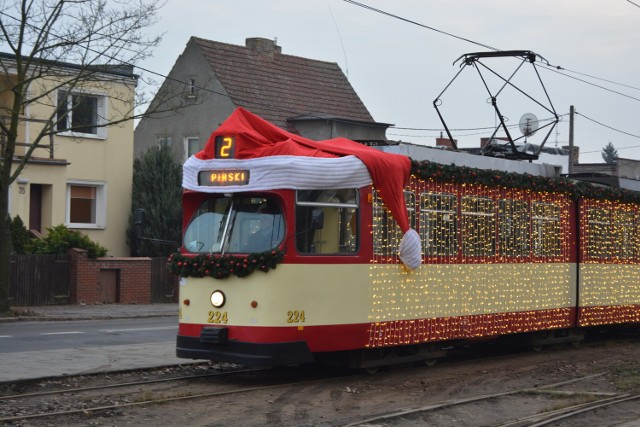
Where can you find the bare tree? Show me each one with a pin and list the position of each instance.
(73, 45)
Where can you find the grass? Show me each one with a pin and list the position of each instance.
(627, 379)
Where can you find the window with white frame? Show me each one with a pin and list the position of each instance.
(478, 226)
(386, 231)
(546, 229)
(81, 113)
(191, 146)
(439, 223)
(86, 205)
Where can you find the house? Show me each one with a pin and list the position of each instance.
(210, 79)
(623, 173)
(80, 178)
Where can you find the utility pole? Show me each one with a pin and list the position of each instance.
(571, 154)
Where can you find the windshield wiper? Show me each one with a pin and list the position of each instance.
(226, 231)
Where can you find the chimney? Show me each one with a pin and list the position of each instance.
(444, 142)
(261, 46)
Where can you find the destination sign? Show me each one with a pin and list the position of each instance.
(225, 177)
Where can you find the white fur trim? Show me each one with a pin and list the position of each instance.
(279, 172)
(411, 249)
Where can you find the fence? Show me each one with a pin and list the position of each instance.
(73, 278)
(39, 280)
(164, 285)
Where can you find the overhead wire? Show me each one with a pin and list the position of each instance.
(169, 78)
(600, 78)
(633, 3)
(382, 12)
(166, 77)
(607, 126)
(362, 5)
(555, 70)
(469, 129)
(611, 128)
(546, 65)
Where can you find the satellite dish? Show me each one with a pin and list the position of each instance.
(528, 124)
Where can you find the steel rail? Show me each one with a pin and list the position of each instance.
(123, 384)
(450, 403)
(182, 397)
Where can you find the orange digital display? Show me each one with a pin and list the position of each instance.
(225, 147)
(221, 178)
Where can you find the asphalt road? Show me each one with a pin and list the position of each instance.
(44, 336)
(31, 350)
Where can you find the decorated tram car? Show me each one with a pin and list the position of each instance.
(299, 251)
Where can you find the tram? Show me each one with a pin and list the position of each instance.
(298, 251)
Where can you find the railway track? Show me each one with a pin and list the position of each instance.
(122, 395)
(601, 400)
(550, 417)
(337, 397)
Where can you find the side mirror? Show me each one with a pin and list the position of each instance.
(317, 219)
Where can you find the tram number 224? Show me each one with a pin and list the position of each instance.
(295, 316)
(217, 317)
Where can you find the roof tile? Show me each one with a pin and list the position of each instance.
(279, 86)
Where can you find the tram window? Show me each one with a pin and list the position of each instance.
(439, 224)
(478, 226)
(513, 227)
(235, 224)
(386, 231)
(624, 238)
(337, 233)
(410, 203)
(599, 238)
(546, 229)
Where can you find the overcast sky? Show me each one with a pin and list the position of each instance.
(398, 68)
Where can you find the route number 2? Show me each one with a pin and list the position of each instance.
(224, 147)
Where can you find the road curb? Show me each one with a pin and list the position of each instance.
(70, 318)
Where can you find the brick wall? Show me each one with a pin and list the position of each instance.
(109, 280)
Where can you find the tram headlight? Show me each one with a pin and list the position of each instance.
(218, 299)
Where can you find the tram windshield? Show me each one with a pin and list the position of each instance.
(235, 224)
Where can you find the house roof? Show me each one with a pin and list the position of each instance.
(124, 70)
(277, 86)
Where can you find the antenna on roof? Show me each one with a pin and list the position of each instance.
(344, 53)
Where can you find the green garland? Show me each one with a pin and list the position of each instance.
(223, 266)
(493, 178)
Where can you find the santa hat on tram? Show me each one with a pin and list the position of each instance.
(280, 159)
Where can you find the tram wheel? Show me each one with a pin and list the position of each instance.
(430, 362)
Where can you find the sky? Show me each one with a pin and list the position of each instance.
(400, 65)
